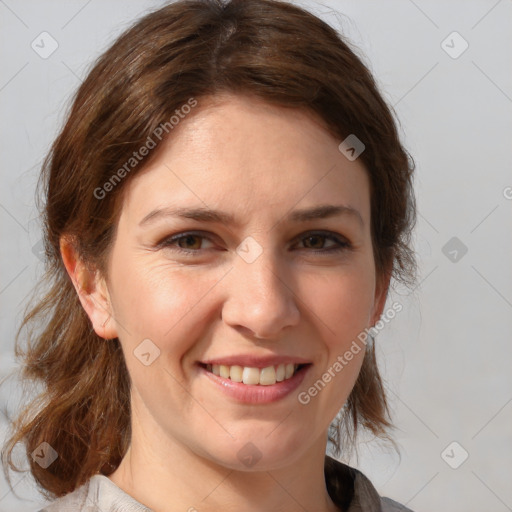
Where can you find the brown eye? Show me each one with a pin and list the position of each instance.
(187, 243)
(314, 241)
(317, 243)
(190, 242)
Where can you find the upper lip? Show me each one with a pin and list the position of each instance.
(254, 361)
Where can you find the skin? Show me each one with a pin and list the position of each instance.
(235, 153)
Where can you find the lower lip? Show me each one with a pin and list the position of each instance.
(257, 394)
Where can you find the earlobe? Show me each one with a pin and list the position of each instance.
(381, 293)
(100, 307)
(91, 289)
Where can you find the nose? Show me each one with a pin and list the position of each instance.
(260, 302)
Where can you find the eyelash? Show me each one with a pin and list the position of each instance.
(170, 241)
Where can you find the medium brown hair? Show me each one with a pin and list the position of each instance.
(187, 49)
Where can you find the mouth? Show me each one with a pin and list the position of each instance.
(254, 376)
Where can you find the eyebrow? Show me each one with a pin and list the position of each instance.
(217, 216)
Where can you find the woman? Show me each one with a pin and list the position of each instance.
(224, 210)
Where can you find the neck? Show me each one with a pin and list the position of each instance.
(167, 476)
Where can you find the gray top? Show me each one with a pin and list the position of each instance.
(350, 490)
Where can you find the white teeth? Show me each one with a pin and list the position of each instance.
(236, 373)
(280, 372)
(253, 376)
(268, 376)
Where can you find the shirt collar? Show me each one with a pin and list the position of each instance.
(349, 489)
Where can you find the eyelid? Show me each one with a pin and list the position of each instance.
(343, 243)
(168, 240)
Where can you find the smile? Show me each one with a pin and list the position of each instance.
(255, 376)
(252, 384)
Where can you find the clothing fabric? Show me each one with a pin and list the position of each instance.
(348, 487)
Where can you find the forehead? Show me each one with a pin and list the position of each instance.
(241, 153)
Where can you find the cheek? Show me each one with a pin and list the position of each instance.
(170, 308)
(341, 305)
(163, 304)
(341, 301)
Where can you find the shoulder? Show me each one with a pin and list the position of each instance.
(74, 501)
(353, 491)
(388, 505)
(98, 494)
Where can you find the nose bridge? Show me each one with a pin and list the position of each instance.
(259, 297)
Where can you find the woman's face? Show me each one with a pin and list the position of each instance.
(252, 281)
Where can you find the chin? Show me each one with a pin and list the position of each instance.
(259, 452)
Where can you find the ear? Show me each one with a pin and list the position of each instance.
(381, 294)
(91, 288)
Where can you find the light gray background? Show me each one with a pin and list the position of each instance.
(446, 357)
